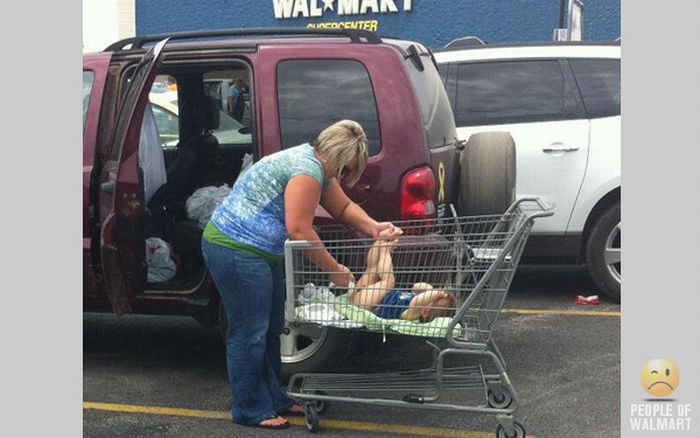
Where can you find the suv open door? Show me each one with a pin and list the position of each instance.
(122, 209)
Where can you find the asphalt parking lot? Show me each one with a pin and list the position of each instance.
(152, 377)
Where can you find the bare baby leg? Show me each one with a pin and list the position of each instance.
(378, 280)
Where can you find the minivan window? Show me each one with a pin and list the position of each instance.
(88, 78)
(512, 92)
(314, 94)
(599, 82)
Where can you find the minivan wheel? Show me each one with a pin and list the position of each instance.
(306, 348)
(487, 174)
(604, 252)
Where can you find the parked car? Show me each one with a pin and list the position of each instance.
(302, 80)
(561, 104)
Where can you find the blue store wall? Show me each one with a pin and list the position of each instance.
(431, 22)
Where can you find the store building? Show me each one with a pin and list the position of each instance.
(105, 21)
(431, 22)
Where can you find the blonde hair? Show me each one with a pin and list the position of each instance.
(341, 143)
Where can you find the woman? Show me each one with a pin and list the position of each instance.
(243, 246)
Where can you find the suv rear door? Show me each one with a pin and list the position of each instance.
(440, 133)
(536, 100)
(310, 86)
(121, 194)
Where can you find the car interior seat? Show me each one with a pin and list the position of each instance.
(197, 157)
(193, 167)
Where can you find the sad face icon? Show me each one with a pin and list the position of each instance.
(660, 377)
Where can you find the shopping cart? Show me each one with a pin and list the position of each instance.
(467, 261)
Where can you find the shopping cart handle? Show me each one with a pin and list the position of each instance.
(540, 203)
(543, 205)
(547, 210)
(298, 244)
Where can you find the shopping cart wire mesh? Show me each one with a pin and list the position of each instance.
(445, 277)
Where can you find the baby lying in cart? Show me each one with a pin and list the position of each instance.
(374, 291)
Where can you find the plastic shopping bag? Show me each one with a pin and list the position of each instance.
(204, 201)
(160, 260)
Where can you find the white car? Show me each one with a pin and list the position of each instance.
(561, 104)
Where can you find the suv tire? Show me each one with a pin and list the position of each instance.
(333, 346)
(603, 252)
(320, 352)
(487, 180)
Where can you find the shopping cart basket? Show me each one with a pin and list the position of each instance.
(451, 277)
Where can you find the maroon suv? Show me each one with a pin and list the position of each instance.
(298, 81)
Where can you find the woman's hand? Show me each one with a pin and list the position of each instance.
(342, 277)
(386, 230)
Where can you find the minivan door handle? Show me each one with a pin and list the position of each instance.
(559, 147)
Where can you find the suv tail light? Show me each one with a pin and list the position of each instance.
(418, 194)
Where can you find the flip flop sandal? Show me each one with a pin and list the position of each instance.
(273, 426)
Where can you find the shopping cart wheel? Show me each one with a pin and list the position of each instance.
(321, 405)
(519, 431)
(311, 417)
(501, 401)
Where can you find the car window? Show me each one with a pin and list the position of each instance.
(434, 106)
(599, 82)
(228, 131)
(314, 94)
(442, 69)
(168, 124)
(221, 86)
(513, 92)
(227, 122)
(167, 110)
(213, 90)
(88, 78)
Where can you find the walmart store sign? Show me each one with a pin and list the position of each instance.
(317, 8)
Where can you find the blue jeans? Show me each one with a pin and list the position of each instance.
(252, 292)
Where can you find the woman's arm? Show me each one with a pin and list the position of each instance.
(343, 209)
(300, 202)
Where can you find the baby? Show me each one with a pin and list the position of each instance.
(375, 291)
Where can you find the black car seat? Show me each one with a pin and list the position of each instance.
(198, 157)
(195, 165)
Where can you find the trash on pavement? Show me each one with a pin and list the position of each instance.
(592, 300)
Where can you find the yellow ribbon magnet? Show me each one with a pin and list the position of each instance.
(441, 178)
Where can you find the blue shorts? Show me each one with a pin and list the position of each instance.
(393, 304)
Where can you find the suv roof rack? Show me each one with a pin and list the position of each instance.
(355, 35)
(527, 44)
(467, 41)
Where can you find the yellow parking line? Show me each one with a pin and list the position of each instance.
(156, 410)
(395, 429)
(562, 312)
